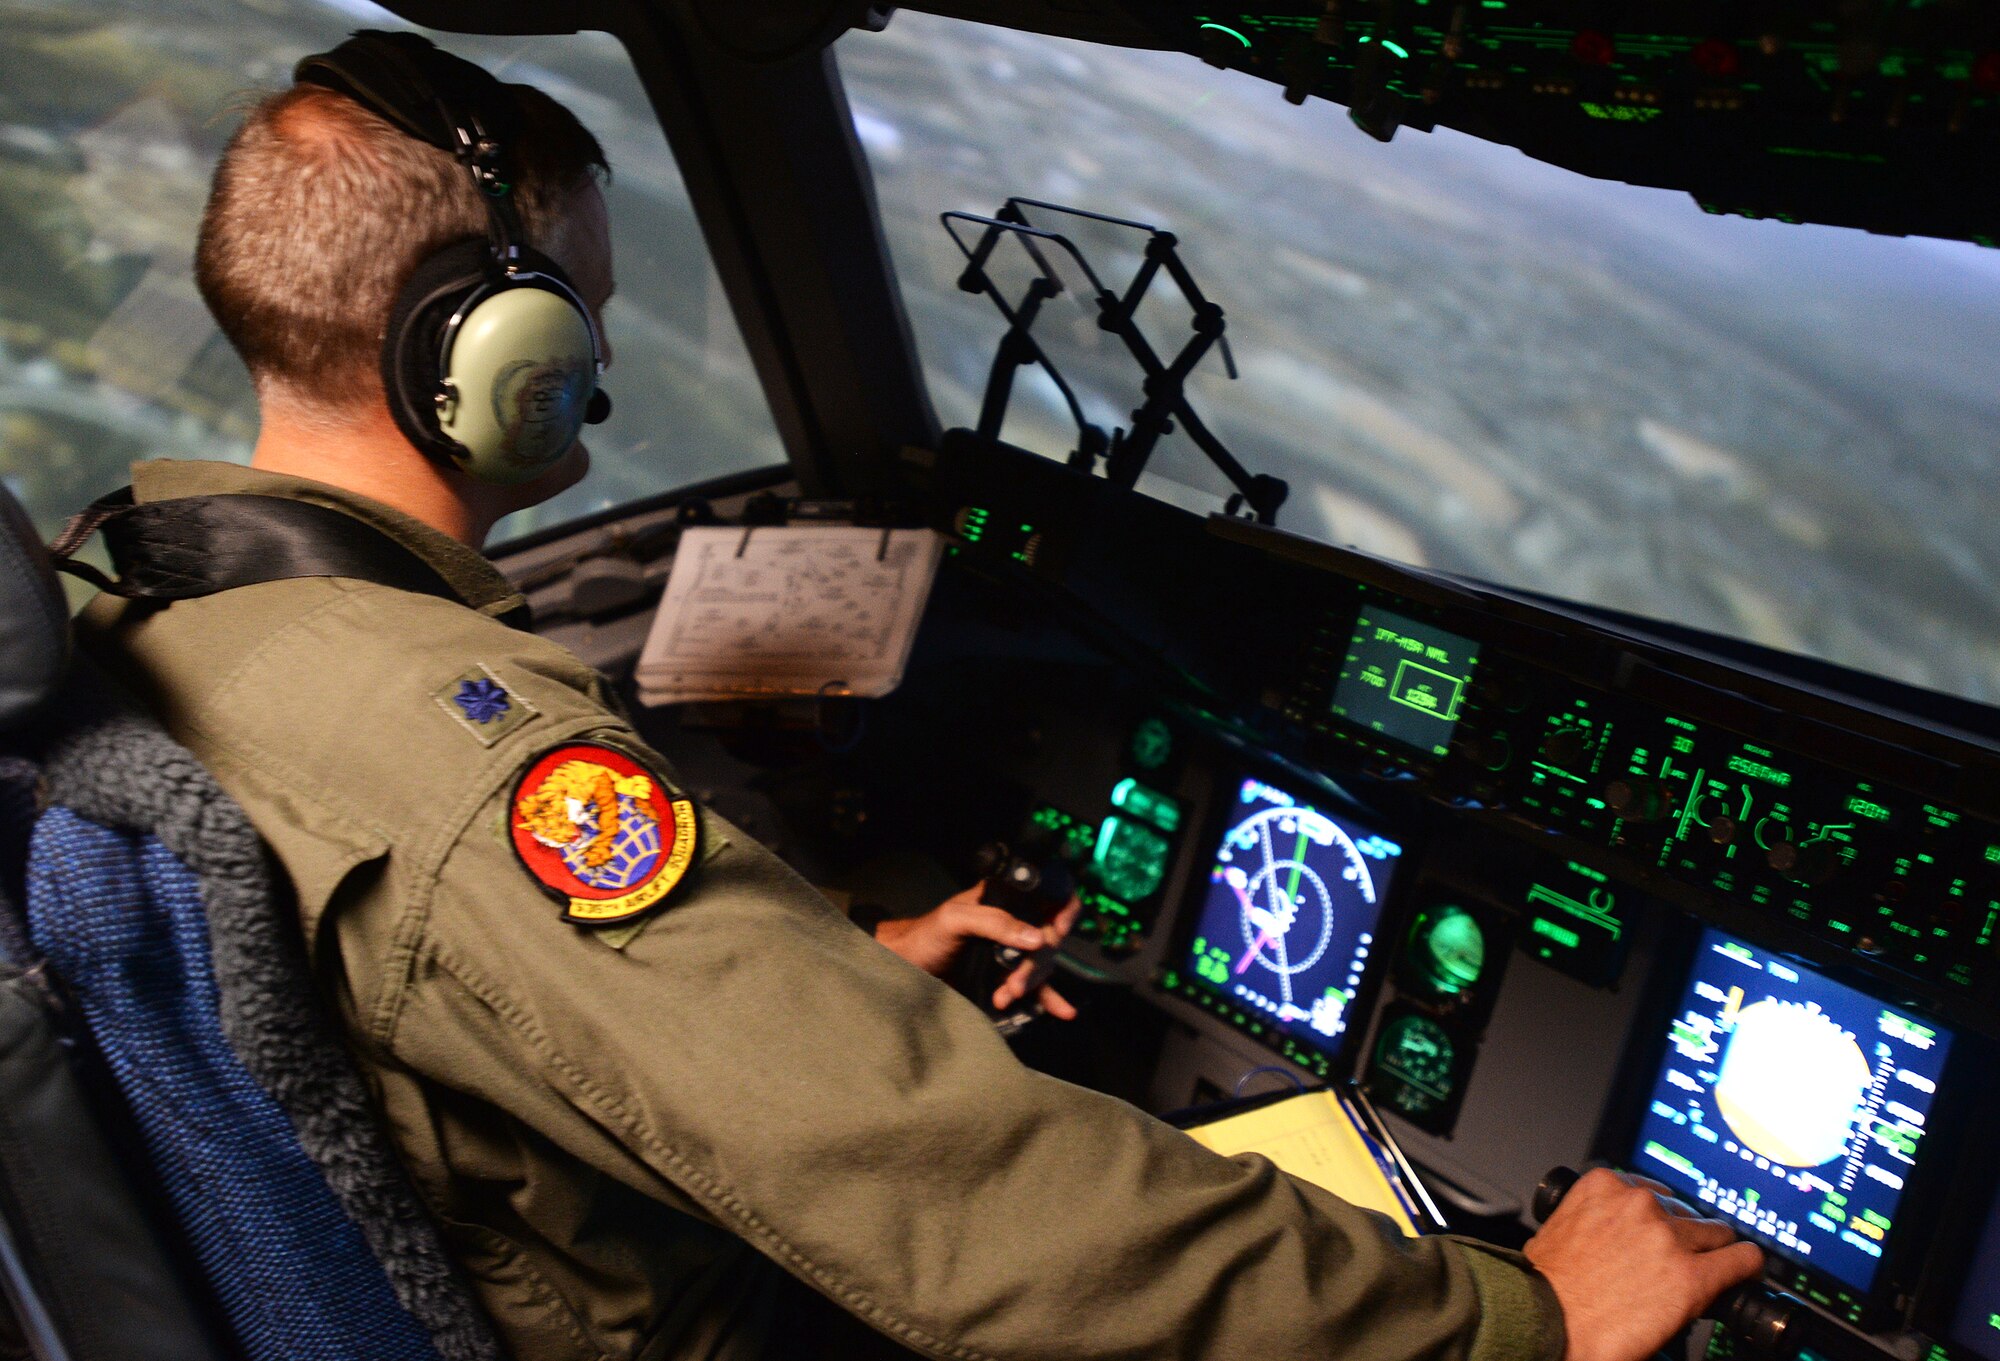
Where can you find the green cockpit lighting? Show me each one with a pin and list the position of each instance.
(1447, 949)
(1131, 858)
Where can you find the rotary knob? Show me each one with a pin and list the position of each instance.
(1639, 798)
(1490, 752)
(1811, 862)
(1566, 746)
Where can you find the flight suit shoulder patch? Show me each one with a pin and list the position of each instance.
(482, 704)
(601, 832)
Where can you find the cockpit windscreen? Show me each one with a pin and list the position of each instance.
(1793, 1105)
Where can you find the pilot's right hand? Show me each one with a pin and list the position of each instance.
(1632, 1266)
(933, 941)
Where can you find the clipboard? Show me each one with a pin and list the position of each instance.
(775, 611)
(1329, 1136)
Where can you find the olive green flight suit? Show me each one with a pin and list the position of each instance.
(620, 1132)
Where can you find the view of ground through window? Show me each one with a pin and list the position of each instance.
(1463, 357)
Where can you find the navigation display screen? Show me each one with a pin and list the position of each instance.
(1793, 1105)
(1976, 1325)
(1288, 921)
(1404, 680)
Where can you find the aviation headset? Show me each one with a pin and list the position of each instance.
(491, 358)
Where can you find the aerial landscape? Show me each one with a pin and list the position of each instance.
(1457, 356)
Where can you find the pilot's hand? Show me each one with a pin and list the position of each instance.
(1632, 1266)
(934, 940)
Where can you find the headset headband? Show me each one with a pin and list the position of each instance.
(436, 98)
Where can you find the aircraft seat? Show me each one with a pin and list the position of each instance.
(149, 911)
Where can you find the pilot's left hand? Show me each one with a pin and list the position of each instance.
(933, 941)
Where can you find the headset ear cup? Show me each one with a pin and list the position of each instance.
(413, 343)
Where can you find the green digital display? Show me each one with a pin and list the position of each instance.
(1162, 810)
(1404, 680)
(1575, 921)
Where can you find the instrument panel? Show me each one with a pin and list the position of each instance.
(1875, 836)
(1553, 884)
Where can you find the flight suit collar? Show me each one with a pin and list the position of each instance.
(477, 581)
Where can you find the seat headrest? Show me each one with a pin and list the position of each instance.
(34, 616)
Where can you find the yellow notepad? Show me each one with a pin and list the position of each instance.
(1313, 1137)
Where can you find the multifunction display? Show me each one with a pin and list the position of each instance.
(1404, 680)
(1288, 920)
(1793, 1105)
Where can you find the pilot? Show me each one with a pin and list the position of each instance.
(663, 1100)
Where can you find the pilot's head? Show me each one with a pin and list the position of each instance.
(321, 210)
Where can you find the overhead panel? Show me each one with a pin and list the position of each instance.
(1879, 116)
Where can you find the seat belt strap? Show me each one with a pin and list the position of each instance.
(194, 546)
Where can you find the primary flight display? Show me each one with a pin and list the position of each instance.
(1793, 1105)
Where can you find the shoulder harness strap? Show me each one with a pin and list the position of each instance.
(195, 546)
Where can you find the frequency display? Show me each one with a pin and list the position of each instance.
(1289, 918)
(1404, 680)
(1793, 1105)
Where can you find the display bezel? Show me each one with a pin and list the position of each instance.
(1966, 1195)
(1418, 618)
(1340, 1062)
(1904, 1252)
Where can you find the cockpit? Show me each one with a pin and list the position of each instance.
(1459, 529)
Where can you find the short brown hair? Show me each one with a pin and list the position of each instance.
(320, 210)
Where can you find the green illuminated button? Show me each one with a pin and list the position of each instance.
(1157, 808)
(1152, 744)
(1131, 858)
(1447, 949)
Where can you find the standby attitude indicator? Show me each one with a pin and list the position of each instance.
(1293, 899)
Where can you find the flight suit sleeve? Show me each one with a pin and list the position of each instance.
(749, 1051)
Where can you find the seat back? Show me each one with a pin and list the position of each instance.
(150, 910)
(121, 920)
(84, 1275)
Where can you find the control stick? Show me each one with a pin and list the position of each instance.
(1760, 1316)
(1034, 889)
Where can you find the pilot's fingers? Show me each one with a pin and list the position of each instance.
(1058, 1006)
(966, 920)
(1059, 926)
(1701, 1235)
(1658, 1188)
(1724, 1267)
(1014, 987)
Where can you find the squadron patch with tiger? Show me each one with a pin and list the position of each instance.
(600, 833)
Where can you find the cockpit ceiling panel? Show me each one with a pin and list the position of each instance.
(1883, 116)
(507, 16)
(1098, 21)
